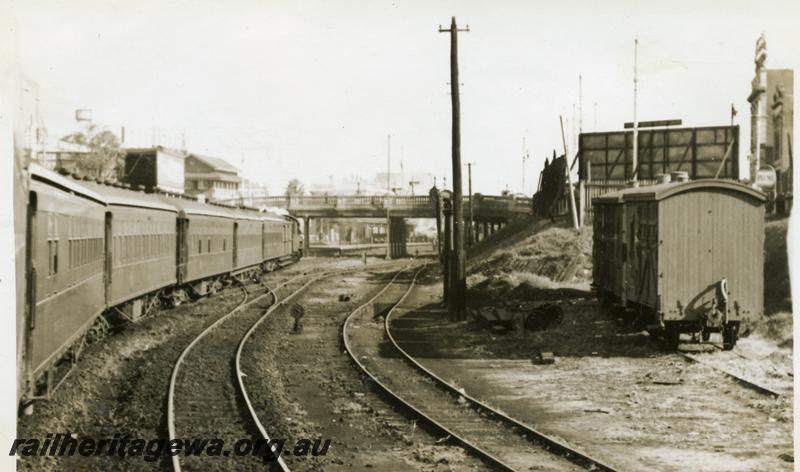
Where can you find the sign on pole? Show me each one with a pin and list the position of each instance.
(766, 178)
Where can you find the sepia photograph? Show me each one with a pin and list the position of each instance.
(273, 235)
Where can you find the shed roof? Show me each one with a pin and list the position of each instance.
(154, 150)
(215, 163)
(662, 191)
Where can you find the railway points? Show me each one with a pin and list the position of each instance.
(485, 432)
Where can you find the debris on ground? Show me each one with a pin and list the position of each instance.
(544, 358)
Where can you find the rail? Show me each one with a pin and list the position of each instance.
(552, 444)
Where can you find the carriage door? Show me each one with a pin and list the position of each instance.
(263, 241)
(30, 290)
(182, 248)
(235, 242)
(107, 256)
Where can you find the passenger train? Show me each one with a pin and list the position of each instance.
(91, 247)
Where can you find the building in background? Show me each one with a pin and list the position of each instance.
(250, 192)
(32, 129)
(59, 154)
(155, 168)
(212, 177)
(772, 117)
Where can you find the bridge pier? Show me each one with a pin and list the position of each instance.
(306, 235)
(396, 237)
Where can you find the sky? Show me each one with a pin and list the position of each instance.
(311, 89)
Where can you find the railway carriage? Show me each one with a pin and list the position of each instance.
(296, 246)
(64, 267)
(689, 256)
(248, 233)
(274, 251)
(90, 247)
(140, 231)
(205, 235)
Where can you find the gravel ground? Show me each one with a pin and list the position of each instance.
(120, 384)
(304, 386)
(614, 393)
(510, 445)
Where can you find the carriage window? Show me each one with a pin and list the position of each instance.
(52, 252)
(224, 244)
(209, 244)
(199, 246)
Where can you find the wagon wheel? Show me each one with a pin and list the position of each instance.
(97, 331)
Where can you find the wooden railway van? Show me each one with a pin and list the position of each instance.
(64, 268)
(695, 260)
(608, 247)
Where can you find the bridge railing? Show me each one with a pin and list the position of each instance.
(422, 201)
(482, 203)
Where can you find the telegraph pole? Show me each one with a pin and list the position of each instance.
(524, 158)
(388, 163)
(580, 104)
(471, 220)
(635, 163)
(569, 178)
(459, 285)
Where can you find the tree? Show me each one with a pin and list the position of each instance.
(294, 187)
(105, 159)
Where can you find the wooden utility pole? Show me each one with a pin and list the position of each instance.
(635, 162)
(525, 157)
(459, 284)
(471, 220)
(388, 164)
(569, 178)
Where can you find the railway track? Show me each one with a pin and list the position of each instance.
(500, 441)
(205, 400)
(744, 381)
(280, 463)
(207, 394)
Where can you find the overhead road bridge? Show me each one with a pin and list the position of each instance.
(488, 212)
